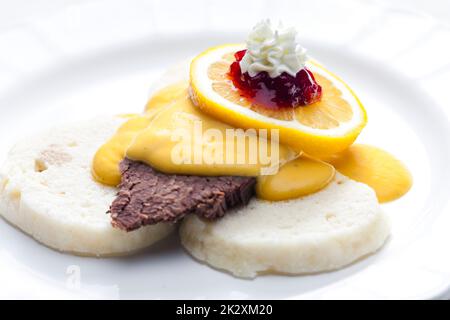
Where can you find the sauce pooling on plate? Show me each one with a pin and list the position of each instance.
(375, 167)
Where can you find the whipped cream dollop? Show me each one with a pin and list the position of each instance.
(274, 50)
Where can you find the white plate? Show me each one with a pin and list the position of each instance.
(101, 57)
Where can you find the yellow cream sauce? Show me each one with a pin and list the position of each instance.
(375, 167)
(296, 178)
(173, 136)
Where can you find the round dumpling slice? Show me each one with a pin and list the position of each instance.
(47, 190)
(320, 232)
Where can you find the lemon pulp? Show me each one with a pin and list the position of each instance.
(329, 112)
(323, 128)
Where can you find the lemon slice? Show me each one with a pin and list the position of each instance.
(322, 128)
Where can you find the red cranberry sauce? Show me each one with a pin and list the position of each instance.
(279, 92)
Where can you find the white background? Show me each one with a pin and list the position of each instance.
(17, 11)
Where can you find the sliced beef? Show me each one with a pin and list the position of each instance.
(147, 196)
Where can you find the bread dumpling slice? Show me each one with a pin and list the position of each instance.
(46, 190)
(320, 232)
